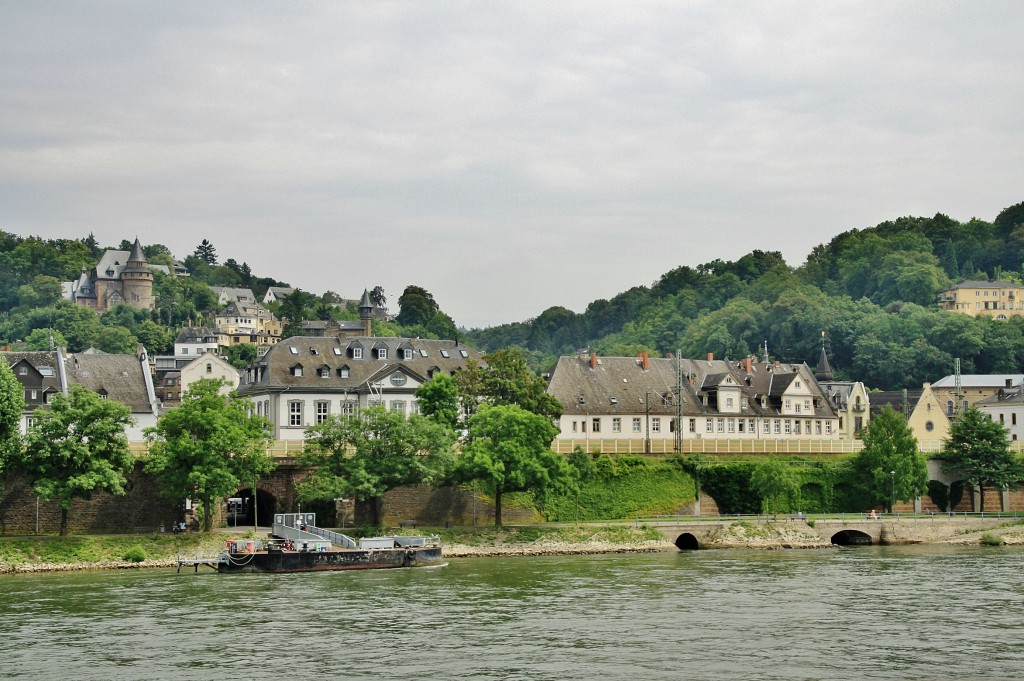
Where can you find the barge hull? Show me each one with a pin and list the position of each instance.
(322, 561)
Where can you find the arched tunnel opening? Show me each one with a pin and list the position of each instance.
(243, 511)
(687, 542)
(851, 538)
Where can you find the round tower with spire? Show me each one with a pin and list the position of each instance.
(137, 279)
(366, 313)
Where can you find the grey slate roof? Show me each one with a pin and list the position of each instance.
(620, 385)
(275, 370)
(118, 376)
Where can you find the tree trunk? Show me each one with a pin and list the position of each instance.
(63, 522)
(497, 508)
(207, 515)
(981, 497)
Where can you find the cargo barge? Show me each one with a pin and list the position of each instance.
(296, 544)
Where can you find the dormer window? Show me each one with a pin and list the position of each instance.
(357, 353)
(313, 351)
(297, 370)
(325, 371)
(343, 372)
(407, 354)
(382, 353)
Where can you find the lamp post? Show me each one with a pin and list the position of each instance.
(892, 505)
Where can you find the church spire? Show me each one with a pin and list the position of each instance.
(824, 372)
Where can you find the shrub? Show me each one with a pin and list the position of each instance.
(135, 554)
(989, 539)
(810, 523)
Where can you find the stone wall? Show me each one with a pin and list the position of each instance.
(448, 506)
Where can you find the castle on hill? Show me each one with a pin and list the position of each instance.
(119, 277)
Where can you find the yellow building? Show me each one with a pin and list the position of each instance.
(247, 323)
(996, 299)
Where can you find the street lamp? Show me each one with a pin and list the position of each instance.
(892, 474)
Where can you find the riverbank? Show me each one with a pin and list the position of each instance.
(127, 552)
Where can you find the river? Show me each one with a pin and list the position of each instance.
(923, 612)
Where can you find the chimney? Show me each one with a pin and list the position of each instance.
(642, 360)
(593, 360)
(711, 357)
(748, 365)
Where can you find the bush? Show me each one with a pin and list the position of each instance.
(989, 539)
(135, 554)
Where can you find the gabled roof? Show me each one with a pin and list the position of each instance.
(121, 376)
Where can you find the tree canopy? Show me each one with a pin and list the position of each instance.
(77, 446)
(12, 405)
(367, 454)
(439, 399)
(978, 449)
(208, 447)
(505, 378)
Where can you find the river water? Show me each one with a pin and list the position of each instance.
(851, 613)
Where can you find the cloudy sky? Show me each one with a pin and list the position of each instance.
(507, 157)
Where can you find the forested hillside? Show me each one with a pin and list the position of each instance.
(871, 292)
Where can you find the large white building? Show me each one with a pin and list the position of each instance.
(609, 400)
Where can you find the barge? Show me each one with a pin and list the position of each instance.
(296, 544)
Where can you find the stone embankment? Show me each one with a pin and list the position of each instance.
(556, 548)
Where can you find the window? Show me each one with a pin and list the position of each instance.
(798, 384)
(295, 413)
(929, 426)
(343, 372)
(949, 407)
(297, 370)
(414, 407)
(323, 410)
(789, 427)
(398, 378)
(444, 353)
(636, 424)
(1013, 419)
(693, 425)
(828, 427)
(750, 426)
(807, 406)
(721, 425)
(357, 353)
(743, 403)
(407, 354)
(33, 394)
(574, 427)
(348, 407)
(382, 353)
(616, 425)
(464, 354)
(796, 427)
(797, 407)
(292, 349)
(817, 427)
(732, 425)
(767, 427)
(325, 372)
(184, 351)
(29, 422)
(789, 405)
(22, 371)
(398, 406)
(709, 426)
(728, 403)
(655, 425)
(595, 425)
(741, 426)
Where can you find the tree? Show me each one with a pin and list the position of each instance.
(44, 339)
(509, 450)
(890, 465)
(774, 480)
(506, 379)
(366, 455)
(439, 399)
(206, 252)
(378, 298)
(208, 447)
(241, 355)
(116, 340)
(977, 448)
(12, 404)
(416, 306)
(76, 447)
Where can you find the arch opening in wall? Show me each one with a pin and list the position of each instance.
(687, 542)
(851, 538)
(241, 510)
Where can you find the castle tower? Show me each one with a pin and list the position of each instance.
(137, 280)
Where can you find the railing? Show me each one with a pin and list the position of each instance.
(667, 446)
(819, 517)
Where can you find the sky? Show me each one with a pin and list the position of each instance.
(507, 157)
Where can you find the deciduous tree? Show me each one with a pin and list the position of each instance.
(12, 404)
(775, 482)
(367, 454)
(890, 466)
(439, 399)
(977, 448)
(208, 447)
(509, 450)
(76, 447)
